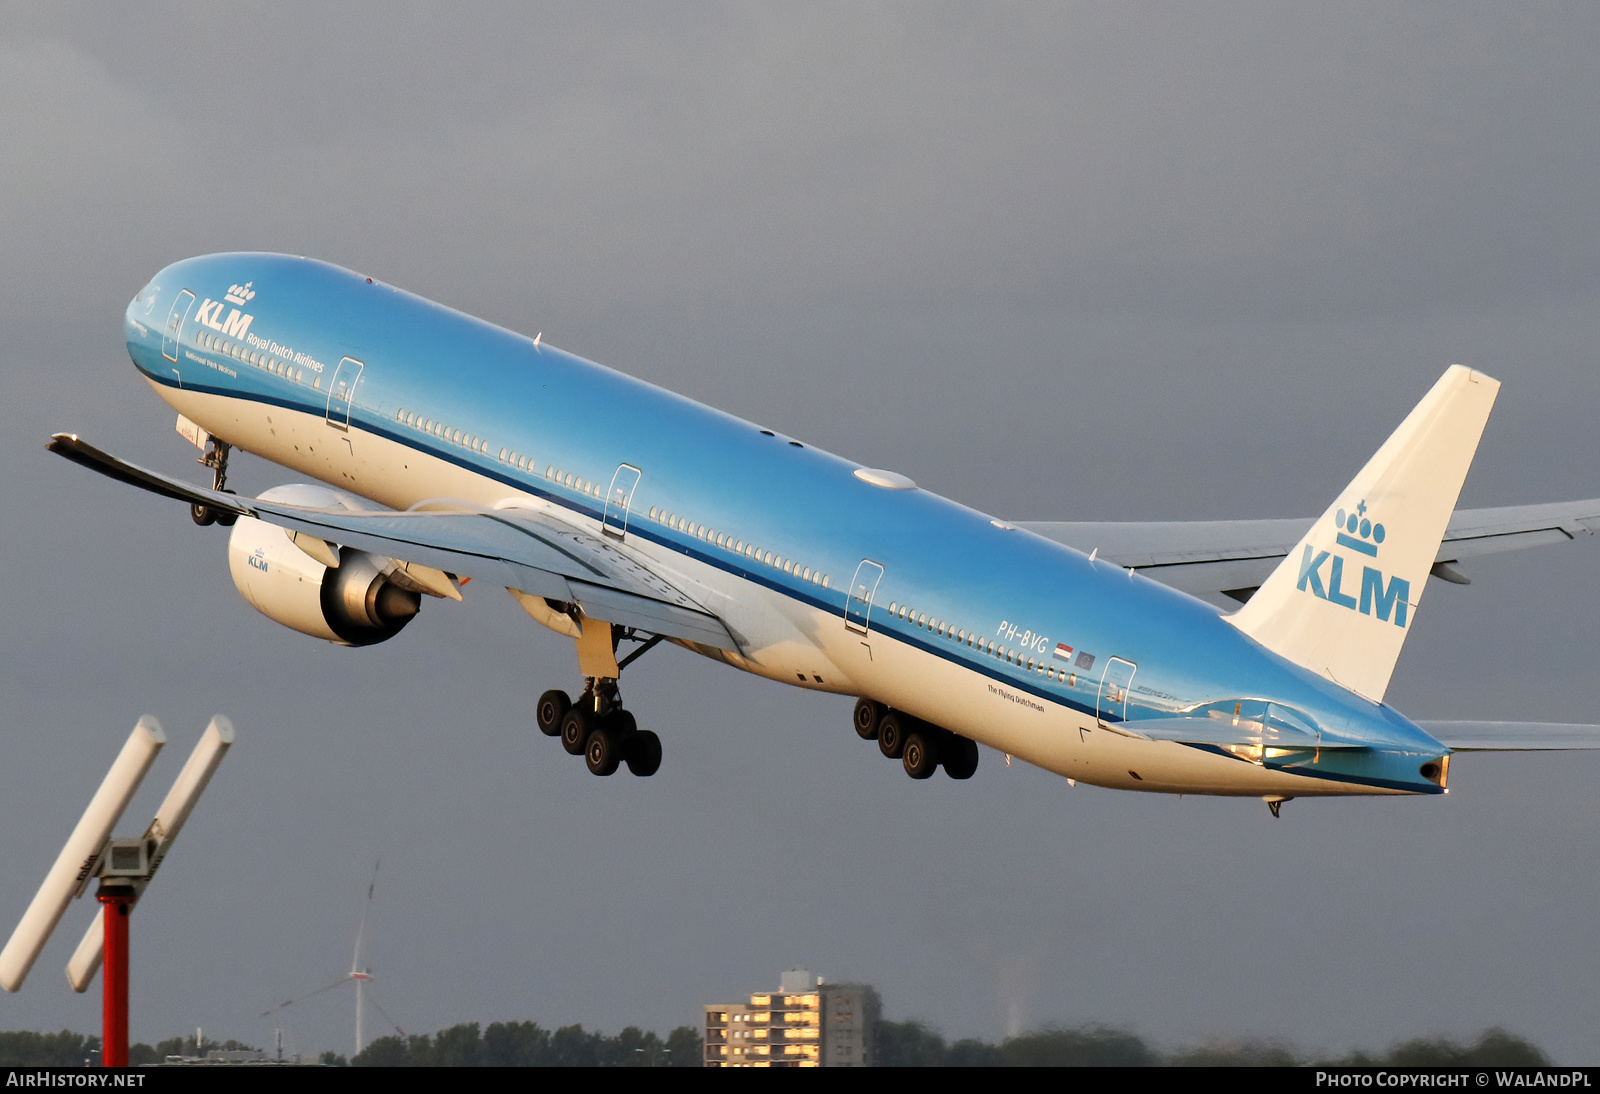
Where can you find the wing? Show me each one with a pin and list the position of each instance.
(1231, 558)
(1512, 736)
(522, 549)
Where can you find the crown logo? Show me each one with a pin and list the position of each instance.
(1355, 524)
(240, 294)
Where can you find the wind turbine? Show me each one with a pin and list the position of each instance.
(359, 975)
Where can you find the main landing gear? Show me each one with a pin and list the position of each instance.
(216, 458)
(921, 747)
(596, 727)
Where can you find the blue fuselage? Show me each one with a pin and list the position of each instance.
(989, 630)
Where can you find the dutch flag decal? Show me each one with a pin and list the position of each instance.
(1063, 652)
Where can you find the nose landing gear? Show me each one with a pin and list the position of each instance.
(216, 458)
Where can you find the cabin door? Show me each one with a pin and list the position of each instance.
(341, 390)
(620, 497)
(175, 320)
(858, 606)
(1113, 705)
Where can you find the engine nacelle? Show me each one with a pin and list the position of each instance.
(355, 603)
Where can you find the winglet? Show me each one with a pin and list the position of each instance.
(1344, 599)
(81, 452)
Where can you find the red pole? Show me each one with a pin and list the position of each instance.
(117, 902)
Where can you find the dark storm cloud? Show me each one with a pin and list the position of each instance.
(1321, 162)
(1205, 257)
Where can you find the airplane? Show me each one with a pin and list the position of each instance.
(1241, 658)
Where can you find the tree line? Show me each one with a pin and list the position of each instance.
(899, 1044)
(502, 1044)
(23, 1048)
(527, 1044)
(913, 1044)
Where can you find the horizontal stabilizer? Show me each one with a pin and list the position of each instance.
(1226, 561)
(1513, 736)
(1343, 601)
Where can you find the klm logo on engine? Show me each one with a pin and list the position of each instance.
(259, 560)
(237, 322)
(1359, 534)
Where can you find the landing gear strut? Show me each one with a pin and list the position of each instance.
(216, 458)
(596, 727)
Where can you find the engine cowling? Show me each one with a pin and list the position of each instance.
(354, 603)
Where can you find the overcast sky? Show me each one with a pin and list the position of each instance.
(1066, 261)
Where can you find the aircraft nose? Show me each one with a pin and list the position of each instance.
(143, 305)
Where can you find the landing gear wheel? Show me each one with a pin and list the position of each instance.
(621, 725)
(202, 514)
(576, 725)
(960, 756)
(644, 754)
(603, 751)
(868, 715)
(553, 706)
(226, 518)
(892, 730)
(921, 755)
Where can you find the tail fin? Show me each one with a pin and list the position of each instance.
(1344, 599)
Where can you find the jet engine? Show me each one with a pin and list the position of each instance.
(362, 600)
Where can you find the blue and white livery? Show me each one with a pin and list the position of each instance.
(623, 515)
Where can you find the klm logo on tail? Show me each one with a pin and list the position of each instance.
(1359, 534)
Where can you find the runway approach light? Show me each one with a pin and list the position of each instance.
(124, 867)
